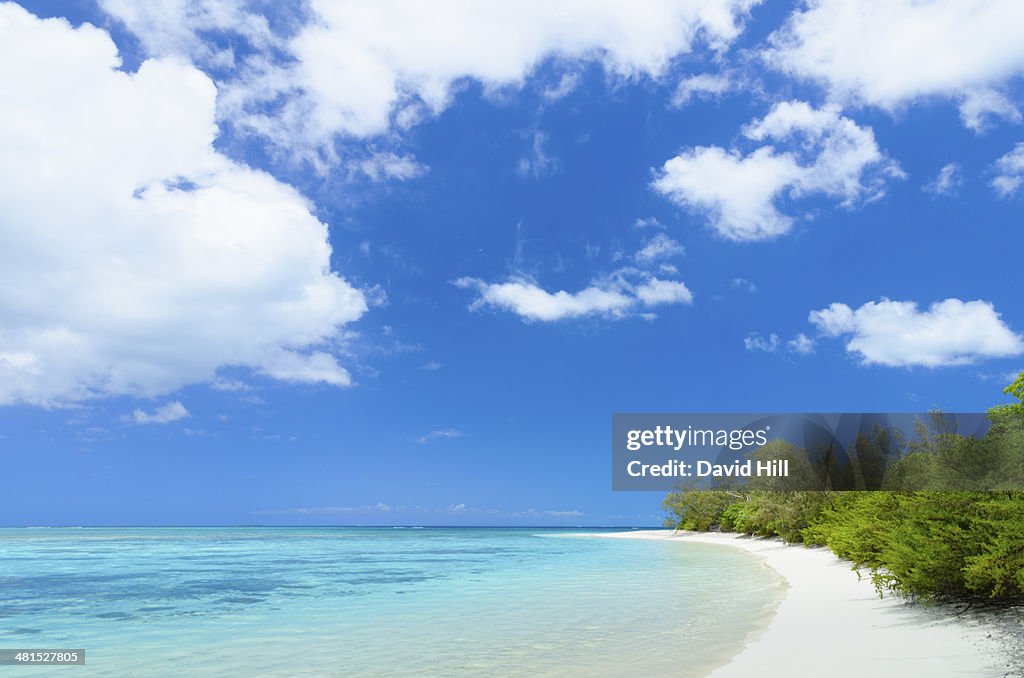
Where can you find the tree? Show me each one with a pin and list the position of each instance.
(1016, 389)
(691, 508)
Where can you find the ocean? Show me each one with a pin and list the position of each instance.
(376, 602)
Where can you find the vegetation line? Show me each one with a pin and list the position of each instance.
(926, 535)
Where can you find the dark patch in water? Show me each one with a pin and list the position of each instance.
(242, 599)
(24, 631)
(113, 615)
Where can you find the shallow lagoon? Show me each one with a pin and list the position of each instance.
(376, 602)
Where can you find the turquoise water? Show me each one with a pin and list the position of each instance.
(375, 602)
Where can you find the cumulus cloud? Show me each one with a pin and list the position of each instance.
(229, 385)
(898, 334)
(361, 69)
(1009, 172)
(736, 192)
(658, 248)
(316, 367)
(841, 152)
(700, 86)
(387, 165)
(137, 259)
(182, 27)
(654, 292)
(979, 107)
(527, 299)
(801, 344)
(614, 297)
(889, 53)
(947, 182)
(172, 411)
(829, 155)
(755, 342)
(629, 290)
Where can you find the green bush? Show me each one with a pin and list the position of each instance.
(929, 534)
(950, 545)
(693, 509)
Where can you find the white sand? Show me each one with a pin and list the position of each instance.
(831, 624)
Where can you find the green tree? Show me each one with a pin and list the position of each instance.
(802, 475)
(693, 508)
(1016, 389)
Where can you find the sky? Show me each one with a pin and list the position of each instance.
(397, 263)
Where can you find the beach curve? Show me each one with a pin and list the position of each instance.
(833, 623)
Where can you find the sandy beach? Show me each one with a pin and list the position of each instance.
(831, 623)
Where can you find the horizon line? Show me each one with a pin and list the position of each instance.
(253, 525)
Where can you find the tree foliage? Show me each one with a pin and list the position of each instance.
(932, 533)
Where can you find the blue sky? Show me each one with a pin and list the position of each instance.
(315, 265)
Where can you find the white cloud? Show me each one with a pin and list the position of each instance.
(566, 84)
(439, 435)
(177, 27)
(361, 69)
(835, 320)
(172, 411)
(1010, 172)
(432, 366)
(978, 107)
(536, 163)
(889, 53)
(384, 166)
(801, 344)
(312, 368)
(737, 192)
(649, 222)
(657, 248)
(615, 297)
(896, 333)
(656, 292)
(755, 342)
(624, 291)
(947, 182)
(830, 155)
(229, 385)
(525, 298)
(136, 258)
(668, 269)
(700, 86)
(841, 152)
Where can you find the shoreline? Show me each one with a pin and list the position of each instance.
(833, 623)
